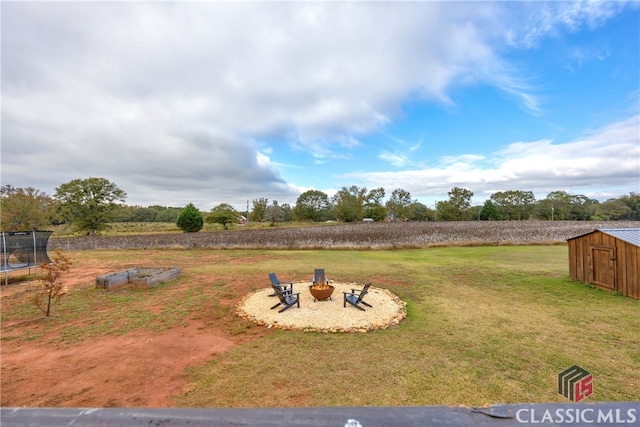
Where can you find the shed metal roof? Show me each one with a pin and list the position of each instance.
(629, 235)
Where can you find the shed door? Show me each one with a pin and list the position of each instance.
(602, 266)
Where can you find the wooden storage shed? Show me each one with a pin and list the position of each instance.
(608, 258)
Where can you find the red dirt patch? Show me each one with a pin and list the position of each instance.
(136, 370)
(139, 369)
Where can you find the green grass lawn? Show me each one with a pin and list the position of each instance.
(485, 325)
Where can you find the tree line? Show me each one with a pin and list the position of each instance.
(89, 205)
(355, 203)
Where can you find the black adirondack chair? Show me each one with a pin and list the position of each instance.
(288, 299)
(355, 297)
(286, 287)
(319, 277)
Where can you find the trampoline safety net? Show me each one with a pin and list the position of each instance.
(24, 249)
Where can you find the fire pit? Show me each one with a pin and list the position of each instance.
(321, 291)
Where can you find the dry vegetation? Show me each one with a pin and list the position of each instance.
(352, 236)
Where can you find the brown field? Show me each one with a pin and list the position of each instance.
(352, 236)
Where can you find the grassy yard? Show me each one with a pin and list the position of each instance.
(485, 325)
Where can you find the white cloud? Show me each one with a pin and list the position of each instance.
(395, 159)
(170, 100)
(528, 22)
(401, 156)
(605, 158)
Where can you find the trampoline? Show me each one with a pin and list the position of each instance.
(23, 250)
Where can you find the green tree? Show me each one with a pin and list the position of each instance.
(89, 204)
(474, 212)
(24, 208)
(377, 213)
(460, 197)
(223, 214)
(373, 207)
(144, 215)
(274, 213)
(514, 204)
(612, 209)
(632, 200)
(190, 219)
(560, 205)
(582, 208)
(312, 205)
(287, 210)
(545, 210)
(348, 203)
(123, 213)
(489, 212)
(168, 215)
(398, 205)
(446, 211)
(458, 207)
(430, 214)
(555, 206)
(418, 211)
(259, 207)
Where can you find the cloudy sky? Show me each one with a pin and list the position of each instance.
(224, 102)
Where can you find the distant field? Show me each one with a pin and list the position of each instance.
(128, 228)
(338, 235)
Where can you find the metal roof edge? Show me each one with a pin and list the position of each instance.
(629, 235)
(623, 234)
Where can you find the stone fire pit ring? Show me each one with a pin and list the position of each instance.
(325, 316)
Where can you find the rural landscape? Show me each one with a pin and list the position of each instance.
(492, 317)
(320, 213)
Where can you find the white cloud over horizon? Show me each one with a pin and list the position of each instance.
(605, 158)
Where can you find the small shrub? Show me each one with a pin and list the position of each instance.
(52, 289)
(190, 219)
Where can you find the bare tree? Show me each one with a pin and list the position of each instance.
(52, 289)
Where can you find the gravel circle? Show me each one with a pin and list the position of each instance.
(327, 315)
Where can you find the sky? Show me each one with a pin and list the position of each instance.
(227, 102)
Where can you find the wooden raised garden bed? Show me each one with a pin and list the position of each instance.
(139, 277)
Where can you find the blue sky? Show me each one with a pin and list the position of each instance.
(223, 102)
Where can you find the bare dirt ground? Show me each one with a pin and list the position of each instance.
(140, 369)
(132, 371)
